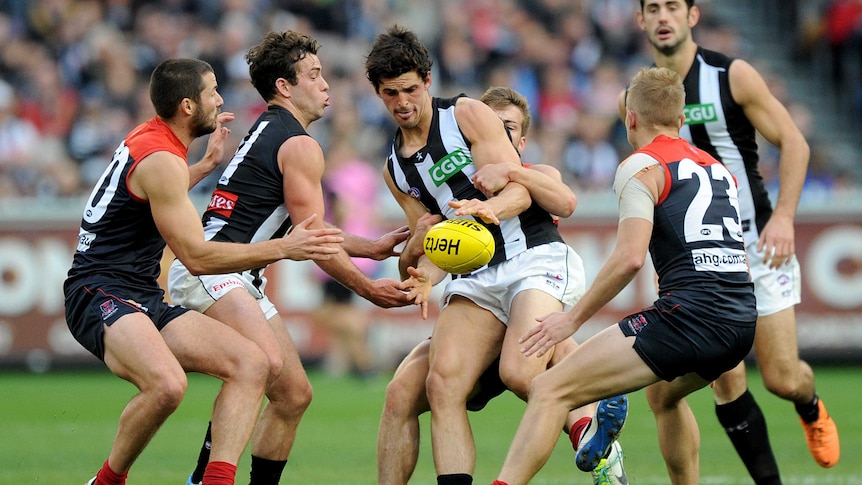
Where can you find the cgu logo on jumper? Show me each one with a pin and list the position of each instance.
(448, 166)
(698, 114)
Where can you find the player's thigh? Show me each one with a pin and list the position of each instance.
(135, 350)
(775, 342)
(241, 311)
(604, 365)
(466, 339)
(206, 345)
(526, 306)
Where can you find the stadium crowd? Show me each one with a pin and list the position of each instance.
(73, 75)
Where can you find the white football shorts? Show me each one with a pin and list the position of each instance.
(775, 289)
(200, 292)
(554, 268)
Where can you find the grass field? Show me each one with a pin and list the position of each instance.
(56, 428)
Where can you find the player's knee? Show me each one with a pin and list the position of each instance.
(291, 396)
(301, 397)
(405, 397)
(276, 365)
(545, 393)
(168, 393)
(518, 382)
(442, 390)
(248, 365)
(660, 401)
(786, 387)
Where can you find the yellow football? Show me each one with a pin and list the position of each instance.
(459, 246)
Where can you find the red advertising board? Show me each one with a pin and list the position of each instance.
(34, 261)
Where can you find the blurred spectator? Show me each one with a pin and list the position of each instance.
(78, 69)
(47, 102)
(19, 141)
(590, 160)
(351, 187)
(843, 30)
(30, 165)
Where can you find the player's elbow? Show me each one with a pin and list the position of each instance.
(195, 268)
(632, 262)
(570, 203)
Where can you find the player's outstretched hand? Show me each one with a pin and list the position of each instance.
(317, 244)
(384, 246)
(387, 293)
(215, 145)
(418, 287)
(475, 207)
(425, 222)
(553, 328)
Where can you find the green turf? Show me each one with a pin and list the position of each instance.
(56, 429)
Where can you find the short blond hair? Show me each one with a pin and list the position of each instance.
(657, 96)
(499, 98)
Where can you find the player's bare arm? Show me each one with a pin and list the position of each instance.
(772, 120)
(215, 150)
(302, 159)
(377, 249)
(544, 183)
(162, 178)
(422, 266)
(490, 144)
(627, 258)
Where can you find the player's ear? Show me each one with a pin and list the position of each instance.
(693, 16)
(187, 105)
(282, 87)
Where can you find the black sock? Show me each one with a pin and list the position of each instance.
(809, 412)
(455, 479)
(745, 425)
(204, 456)
(266, 472)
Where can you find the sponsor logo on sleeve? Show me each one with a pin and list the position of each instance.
(222, 202)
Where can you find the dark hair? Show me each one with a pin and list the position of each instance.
(174, 80)
(690, 3)
(277, 56)
(396, 52)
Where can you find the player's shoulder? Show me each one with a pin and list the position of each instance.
(300, 151)
(715, 58)
(473, 115)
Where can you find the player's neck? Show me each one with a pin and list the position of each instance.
(680, 60)
(414, 138)
(181, 129)
(297, 113)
